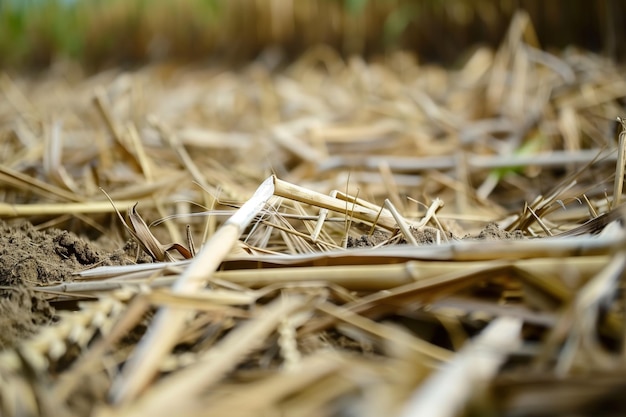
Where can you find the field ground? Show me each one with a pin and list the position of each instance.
(325, 237)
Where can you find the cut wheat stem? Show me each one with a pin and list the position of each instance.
(168, 323)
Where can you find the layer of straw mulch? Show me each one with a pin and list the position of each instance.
(333, 237)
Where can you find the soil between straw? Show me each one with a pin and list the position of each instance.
(29, 258)
(428, 236)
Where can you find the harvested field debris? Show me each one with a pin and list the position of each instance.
(333, 236)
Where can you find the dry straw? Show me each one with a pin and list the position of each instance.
(273, 315)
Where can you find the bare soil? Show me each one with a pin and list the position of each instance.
(29, 258)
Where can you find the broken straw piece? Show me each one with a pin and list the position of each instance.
(163, 333)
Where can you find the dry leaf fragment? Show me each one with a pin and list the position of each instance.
(140, 231)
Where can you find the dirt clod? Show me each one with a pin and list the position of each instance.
(428, 236)
(368, 241)
(493, 232)
(69, 246)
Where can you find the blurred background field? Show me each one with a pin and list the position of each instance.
(99, 34)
